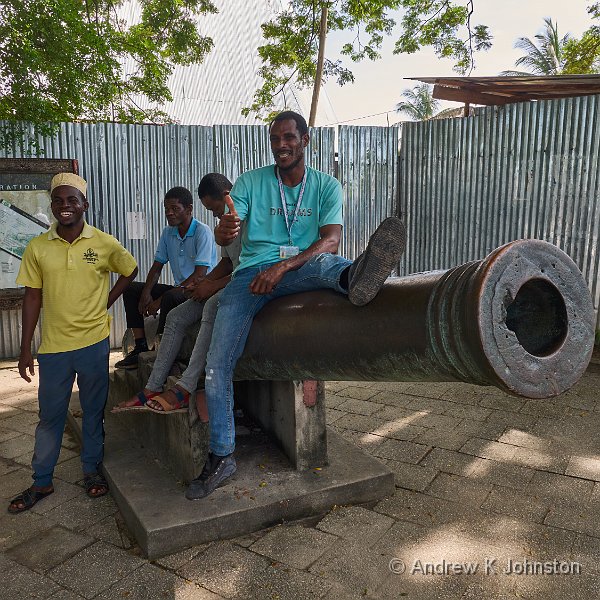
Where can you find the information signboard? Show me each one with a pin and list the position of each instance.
(17, 228)
(24, 213)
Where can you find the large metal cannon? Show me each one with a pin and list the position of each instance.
(521, 319)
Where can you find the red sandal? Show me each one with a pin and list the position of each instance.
(140, 402)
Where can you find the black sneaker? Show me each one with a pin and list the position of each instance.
(131, 360)
(370, 270)
(216, 470)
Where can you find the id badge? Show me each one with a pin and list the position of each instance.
(288, 251)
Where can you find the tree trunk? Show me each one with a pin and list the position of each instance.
(320, 60)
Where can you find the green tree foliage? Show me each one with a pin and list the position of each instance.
(419, 105)
(583, 55)
(292, 38)
(63, 60)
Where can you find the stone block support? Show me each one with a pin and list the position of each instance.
(293, 413)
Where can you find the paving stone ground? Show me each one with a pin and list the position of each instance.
(496, 497)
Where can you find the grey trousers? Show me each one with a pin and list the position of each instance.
(178, 321)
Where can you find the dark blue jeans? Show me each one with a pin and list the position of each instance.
(237, 307)
(57, 374)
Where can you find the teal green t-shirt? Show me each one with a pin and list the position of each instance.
(257, 200)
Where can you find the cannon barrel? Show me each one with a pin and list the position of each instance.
(521, 319)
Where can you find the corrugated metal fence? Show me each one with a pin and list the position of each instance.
(465, 186)
(130, 167)
(368, 171)
(526, 170)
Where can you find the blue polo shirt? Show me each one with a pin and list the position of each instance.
(196, 249)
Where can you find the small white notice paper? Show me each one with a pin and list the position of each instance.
(136, 225)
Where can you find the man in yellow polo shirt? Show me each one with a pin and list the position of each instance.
(68, 268)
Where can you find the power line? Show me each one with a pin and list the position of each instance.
(385, 112)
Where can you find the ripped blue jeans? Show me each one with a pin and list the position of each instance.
(237, 308)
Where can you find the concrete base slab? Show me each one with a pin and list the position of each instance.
(266, 490)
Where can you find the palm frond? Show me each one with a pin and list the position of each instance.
(419, 105)
(545, 55)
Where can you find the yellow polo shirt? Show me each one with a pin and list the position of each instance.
(74, 279)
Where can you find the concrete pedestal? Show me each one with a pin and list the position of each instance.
(179, 441)
(293, 413)
(266, 489)
(286, 468)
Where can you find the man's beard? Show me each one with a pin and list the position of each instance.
(292, 166)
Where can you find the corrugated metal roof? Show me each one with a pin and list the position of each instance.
(491, 91)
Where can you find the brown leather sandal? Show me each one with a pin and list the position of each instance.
(181, 402)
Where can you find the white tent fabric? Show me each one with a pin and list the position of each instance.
(215, 91)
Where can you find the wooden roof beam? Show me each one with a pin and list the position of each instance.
(441, 92)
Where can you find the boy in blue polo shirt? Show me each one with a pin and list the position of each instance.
(189, 247)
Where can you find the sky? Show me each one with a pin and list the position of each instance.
(378, 86)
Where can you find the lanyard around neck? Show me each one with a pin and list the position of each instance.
(289, 224)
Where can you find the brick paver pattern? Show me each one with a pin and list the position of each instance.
(504, 488)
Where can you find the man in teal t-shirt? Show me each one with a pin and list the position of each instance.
(266, 230)
(292, 218)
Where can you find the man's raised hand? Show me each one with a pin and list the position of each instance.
(230, 205)
(229, 224)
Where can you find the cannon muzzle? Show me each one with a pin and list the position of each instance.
(521, 319)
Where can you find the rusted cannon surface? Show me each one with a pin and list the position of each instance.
(521, 319)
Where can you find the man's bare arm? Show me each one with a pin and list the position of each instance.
(199, 273)
(329, 242)
(216, 280)
(32, 303)
(120, 286)
(151, 281)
